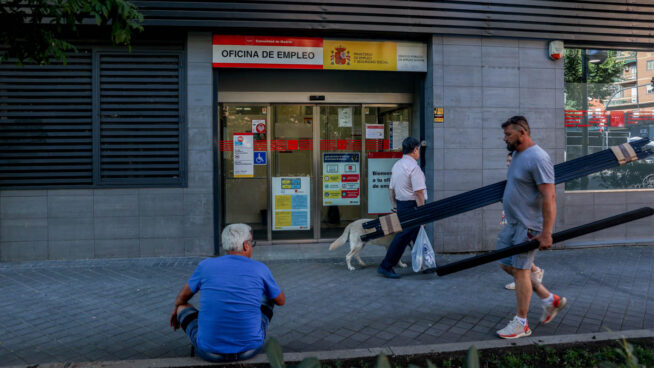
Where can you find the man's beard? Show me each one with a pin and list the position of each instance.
(513, 146)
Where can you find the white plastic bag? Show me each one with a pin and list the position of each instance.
(422, 254)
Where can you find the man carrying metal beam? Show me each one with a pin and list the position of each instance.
(529, 202)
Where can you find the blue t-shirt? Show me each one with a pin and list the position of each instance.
(233, 288)
(522, 199)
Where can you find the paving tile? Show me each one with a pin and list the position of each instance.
(384, 335)
(366, 311)
(464, 325)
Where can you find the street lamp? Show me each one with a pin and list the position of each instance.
(593, 57)
(597, 56)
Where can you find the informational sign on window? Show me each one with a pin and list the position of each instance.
(374, 131)
(345, 117)
(399, 132)
(291, 203)
(258, 126)
(243, 155)
(380, 165)
(341, 179)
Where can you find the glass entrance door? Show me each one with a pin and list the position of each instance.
(391, 123)
(292, 172)
(310, 173)
(339, 168)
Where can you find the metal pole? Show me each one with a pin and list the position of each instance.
(533, 244)
(584, 108)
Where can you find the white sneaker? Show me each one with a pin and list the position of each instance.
(539, 276)
(550, 311)
(514, 330)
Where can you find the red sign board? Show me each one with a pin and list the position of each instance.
(349, 178)
(617, 119)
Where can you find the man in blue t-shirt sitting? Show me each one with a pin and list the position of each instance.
(238, 295)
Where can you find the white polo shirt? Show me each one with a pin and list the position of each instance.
(407, 178)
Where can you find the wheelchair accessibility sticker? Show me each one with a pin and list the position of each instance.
(260, 158)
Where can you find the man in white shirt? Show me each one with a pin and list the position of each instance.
(407, 191)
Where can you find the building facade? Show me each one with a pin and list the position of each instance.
(151, 152)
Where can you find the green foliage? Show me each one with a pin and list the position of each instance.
(576, 358)
(513, 361)
(646, 356)
(599, 81)
(309, 363)
(626, 356)
(34, 30)
(274, 353)
(276, 356)
(382, 361)
(634, 175)
(447, 363)
(472, 358)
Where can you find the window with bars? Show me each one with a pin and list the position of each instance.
(104, 119)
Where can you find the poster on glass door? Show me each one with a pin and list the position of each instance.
(341, 179)
(291, 203)
(399, 131)
(380, 166)
(345, 117)
(243, 155)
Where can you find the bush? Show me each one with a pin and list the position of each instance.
(603, 355)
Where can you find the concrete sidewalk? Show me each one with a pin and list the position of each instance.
(104, 310)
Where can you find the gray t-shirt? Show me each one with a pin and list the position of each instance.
(522, 200)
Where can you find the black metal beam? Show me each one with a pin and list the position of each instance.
(533, 244)
(490, 194)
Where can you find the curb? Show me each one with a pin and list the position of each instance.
(366, 353)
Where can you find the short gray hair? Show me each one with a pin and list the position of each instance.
(234, 236)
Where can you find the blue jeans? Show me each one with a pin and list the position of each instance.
(188, 319)
(401, 240)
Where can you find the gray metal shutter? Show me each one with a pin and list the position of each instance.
(140, 118)
(598, 21)
(46, 123)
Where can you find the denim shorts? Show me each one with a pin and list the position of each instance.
(188, 319)
(514, 234)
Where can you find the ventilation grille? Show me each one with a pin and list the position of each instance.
(140, 118)
(46, 123)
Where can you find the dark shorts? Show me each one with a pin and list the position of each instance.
(188, 319)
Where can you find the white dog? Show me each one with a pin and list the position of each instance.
(354, 231)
